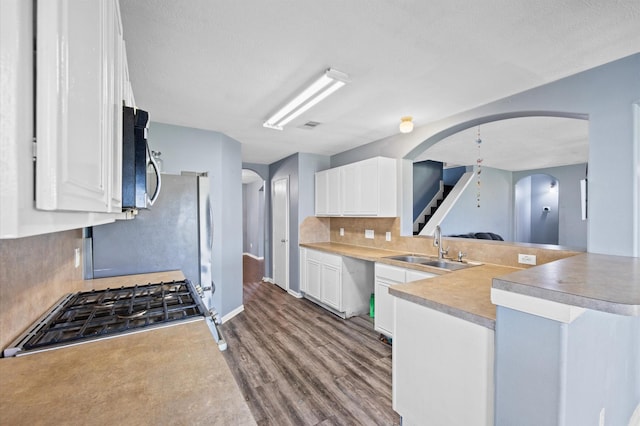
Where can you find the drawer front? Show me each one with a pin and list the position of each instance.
(392, 273)
(413, 275)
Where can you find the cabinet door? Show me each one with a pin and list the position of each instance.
(76, 105)
(303, 270)
(332, 286)
(368, 189)
(334, 192)
(383, 319)
(322, 189)
(350, 189)
(314, 274)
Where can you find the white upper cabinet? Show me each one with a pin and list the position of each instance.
(363, 188)
(78, 106)
(328, 193)
(80, 83)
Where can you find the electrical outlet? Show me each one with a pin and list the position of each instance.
(76, 254)
(388, 236)
(527, 259)
(342, 232)
(368, 233)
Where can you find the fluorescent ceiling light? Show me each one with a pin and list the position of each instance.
(328, 83)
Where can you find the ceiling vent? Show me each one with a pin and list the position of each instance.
(310, 125)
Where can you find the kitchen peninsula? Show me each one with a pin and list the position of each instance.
(171, 375)
(568, 328)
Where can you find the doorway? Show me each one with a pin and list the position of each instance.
(536, 209)
(280, 226)
(253, 226)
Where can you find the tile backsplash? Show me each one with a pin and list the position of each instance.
(496, 252)
(35, 272)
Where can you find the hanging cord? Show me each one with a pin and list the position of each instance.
(478, 167)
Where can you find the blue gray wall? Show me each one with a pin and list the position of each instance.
(188, 149)
(551, 373)
(495, 213)
(263, 171)
(604, 95)
(572, 230)
(301, 169)
(426, 183)
(253, 218)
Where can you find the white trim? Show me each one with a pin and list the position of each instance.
(252, 256)
(232, 314)
(636, 179)
(434, 202)
(268, 280)
(447, 204)
(532, 305)
(295, 294)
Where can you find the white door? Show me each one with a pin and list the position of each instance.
(280, 226)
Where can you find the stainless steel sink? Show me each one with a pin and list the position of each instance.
(409, 258)
(429, 261)
(452, 266)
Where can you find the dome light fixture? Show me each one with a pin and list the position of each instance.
(406, 124)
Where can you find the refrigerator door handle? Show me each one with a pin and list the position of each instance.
(156, 193)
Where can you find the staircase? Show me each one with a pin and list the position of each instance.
(447, 204)
(431, 208)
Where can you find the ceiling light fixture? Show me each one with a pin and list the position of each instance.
(406, 124)
(328, 83)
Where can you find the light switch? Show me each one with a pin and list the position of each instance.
(388, 236)
(342, 232)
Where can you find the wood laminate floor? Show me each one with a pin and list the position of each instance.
(297, 364)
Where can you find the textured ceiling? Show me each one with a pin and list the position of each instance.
(226, 65)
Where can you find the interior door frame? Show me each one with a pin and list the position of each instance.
(274, 242)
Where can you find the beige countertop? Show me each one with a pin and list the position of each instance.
(172, 375)
(371, 254)
(464, 293)
(593, 281)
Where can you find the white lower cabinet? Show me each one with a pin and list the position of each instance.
(386, 276)
(442, 368)
(340, 284)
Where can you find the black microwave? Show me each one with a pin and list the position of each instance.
(136, 157)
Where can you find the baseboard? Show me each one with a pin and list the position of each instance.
(295, 294)
(232, 314)
(253, 256)
(268, 280)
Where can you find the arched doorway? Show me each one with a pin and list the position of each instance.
(253, 225)
(536, 212)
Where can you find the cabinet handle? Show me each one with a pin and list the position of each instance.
(283, 241)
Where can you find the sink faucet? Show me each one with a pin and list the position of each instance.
(437, 241)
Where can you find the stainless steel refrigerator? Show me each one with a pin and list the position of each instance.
(176, 233)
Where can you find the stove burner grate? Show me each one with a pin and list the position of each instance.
(101, 313)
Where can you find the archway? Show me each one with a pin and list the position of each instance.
(540, 157)
(253, 225)
(536, 213)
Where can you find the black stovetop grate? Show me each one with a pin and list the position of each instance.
(101, 313)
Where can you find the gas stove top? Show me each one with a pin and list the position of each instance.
(97, 314)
